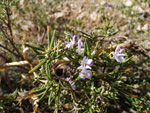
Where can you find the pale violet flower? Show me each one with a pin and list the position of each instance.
(119, 54)
(93, 1)
(107, 7)
(86, 63)
(85, 74)
(99, 72)
(80, 45)
(71, 83)
(71, 43)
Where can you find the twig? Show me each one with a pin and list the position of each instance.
(9, 50)
(8, 24)
(8, 11)
(17, 63)
(3, 21)
(4, 57)
(72, 94)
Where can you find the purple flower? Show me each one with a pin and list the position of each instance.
(86, 63)
(99, 72)
(119, 54)
(80, 44)
(107, 7)
(85, 74)
(71, 83)
(72, 42)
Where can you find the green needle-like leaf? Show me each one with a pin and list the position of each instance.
(38, 66)
(49, 36)
(53, 39)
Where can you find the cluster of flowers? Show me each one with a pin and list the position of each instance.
(86, 63)
(72, 43)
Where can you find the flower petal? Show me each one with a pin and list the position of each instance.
(82, 74)
(90, 62)
(83, 62)
(121, 55)
(89, 74)
(120, 59)
(122, 51)
(117, 49)
(81, 67)
(85, 74)
(72, 42)
(88, 67)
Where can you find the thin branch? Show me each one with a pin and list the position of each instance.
(72, 94)
(6, 35)
(9, 50)
(10, 36)
(4, 57)
(8, 12)
(12, 43)
(3, 21)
